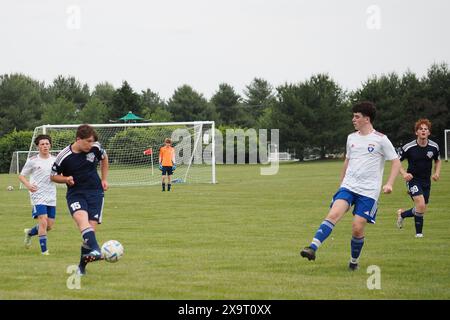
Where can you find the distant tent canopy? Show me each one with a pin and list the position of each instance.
(131, 117)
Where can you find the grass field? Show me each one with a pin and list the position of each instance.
(239, 239)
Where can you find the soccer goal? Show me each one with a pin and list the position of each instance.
(133, 150)
(20, 157)
(447, 140)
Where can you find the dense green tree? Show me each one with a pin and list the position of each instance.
(61, 111)
(124, 100)
(150, 102)
(310, 115)
(95, 111)
(401, 101)
(436, 86)
(70, 89)
(188, 105)
(20, 102)
(13, 141)
(386, 92)
(104, 92)
(159, 115)
(332, 118)
(291, 116)
(226, 102)
(313, 114)
(259, 95)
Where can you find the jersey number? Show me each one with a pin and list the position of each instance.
(75, 206)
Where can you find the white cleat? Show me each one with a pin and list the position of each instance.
(45, 253)
(399, 219)
(419, 235)
(27, 239)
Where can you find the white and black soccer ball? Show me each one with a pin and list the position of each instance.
(112, 250)
(10, 188)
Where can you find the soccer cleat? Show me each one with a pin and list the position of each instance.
(308, 253)
(45, 253)
(419, 235)
(353, 266)
(27, 239)
(399, 219)
(92, 256)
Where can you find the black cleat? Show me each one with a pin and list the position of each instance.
(353, 266)
(309, 253)
(81, 271)
(92, 256)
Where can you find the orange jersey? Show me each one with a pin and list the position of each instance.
(166, 154)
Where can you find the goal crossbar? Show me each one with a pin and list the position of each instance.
(111, 125)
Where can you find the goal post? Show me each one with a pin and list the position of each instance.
(446, 141)
(133, 149)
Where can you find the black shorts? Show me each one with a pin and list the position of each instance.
(92, 202)
(417, 187)
(168, 170)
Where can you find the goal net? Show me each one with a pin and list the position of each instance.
(133, 150)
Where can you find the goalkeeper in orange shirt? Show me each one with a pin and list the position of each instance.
(167, 163)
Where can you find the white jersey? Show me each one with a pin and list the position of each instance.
(39, 170)
(366, 155)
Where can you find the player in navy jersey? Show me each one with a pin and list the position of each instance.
(76, 166)
(420, 154)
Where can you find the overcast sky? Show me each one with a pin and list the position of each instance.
(162, 45)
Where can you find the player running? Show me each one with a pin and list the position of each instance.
(420, 154)
(361, 179)
(42, 192)
(76, 166)
(167, 163)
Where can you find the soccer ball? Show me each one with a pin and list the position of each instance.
(10, 188)
(112, 250)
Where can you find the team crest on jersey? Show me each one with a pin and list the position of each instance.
(370, 148)
(430, 154)
(90, 157)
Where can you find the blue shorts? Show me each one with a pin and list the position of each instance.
(41, 209)
(92, 202)
(168, 170)
(363, 206)
(417, 187)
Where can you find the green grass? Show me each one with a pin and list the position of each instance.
(239, 239)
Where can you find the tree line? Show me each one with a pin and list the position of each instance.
(314, 114)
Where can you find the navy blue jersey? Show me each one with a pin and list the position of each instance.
(420, 159)
(81, 166)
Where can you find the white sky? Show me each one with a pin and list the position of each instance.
(164, 44)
